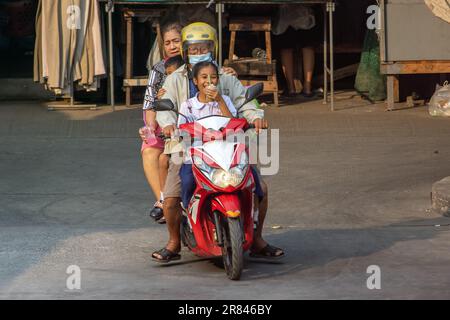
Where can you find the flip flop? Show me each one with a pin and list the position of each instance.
(166, 256)
(157, 211)
(268, 252)
(162, 220)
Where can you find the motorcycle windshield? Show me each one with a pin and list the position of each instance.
(214, 122)
(221, 152)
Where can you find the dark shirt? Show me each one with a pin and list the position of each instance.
(192, 89)
(155, 82)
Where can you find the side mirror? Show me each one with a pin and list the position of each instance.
(254, 91)
(163, 105)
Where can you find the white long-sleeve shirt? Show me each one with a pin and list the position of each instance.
(193, 109)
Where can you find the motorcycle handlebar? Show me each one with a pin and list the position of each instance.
(164, 137)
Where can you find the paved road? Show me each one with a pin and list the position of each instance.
(353, 191)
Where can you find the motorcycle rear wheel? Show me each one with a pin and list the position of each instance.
(232, 251)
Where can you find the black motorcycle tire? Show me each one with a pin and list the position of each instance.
(232, 250)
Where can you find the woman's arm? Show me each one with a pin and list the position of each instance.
(150, 118)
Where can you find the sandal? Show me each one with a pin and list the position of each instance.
(268, 252)
(157, 211)
(162, 220)
(166, 256)
(308, 95)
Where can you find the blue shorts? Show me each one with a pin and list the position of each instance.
(188, 183)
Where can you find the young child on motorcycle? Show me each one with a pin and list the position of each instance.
(170, 65)
(206, 102)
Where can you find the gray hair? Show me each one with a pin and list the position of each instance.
(174, 26)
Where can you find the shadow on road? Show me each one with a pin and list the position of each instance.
(315, 248)
(307, 249)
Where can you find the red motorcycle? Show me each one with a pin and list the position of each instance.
(221, 217)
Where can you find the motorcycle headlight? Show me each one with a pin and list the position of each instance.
(243, 162)
(223, 179)
(199, 163)
(220, 177)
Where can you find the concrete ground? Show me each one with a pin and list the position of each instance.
(353, 190)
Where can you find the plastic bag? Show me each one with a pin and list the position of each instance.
(440, 101)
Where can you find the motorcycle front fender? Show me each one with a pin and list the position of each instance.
(228, 204)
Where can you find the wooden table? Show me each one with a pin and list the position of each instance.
(394, 69)
(404, 49)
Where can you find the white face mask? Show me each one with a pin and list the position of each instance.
(194, 59)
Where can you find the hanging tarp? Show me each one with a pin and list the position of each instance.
(440, 8)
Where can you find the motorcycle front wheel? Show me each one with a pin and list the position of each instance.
(232, 251)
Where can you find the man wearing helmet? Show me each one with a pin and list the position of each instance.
(199, 43)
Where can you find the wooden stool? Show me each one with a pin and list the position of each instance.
(252, 68)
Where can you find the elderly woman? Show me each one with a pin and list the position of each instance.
(153, 159)
(155, 163)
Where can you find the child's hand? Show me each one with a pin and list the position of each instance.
(160, 93)
(212, 94)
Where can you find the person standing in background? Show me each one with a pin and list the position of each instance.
(296, 27)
